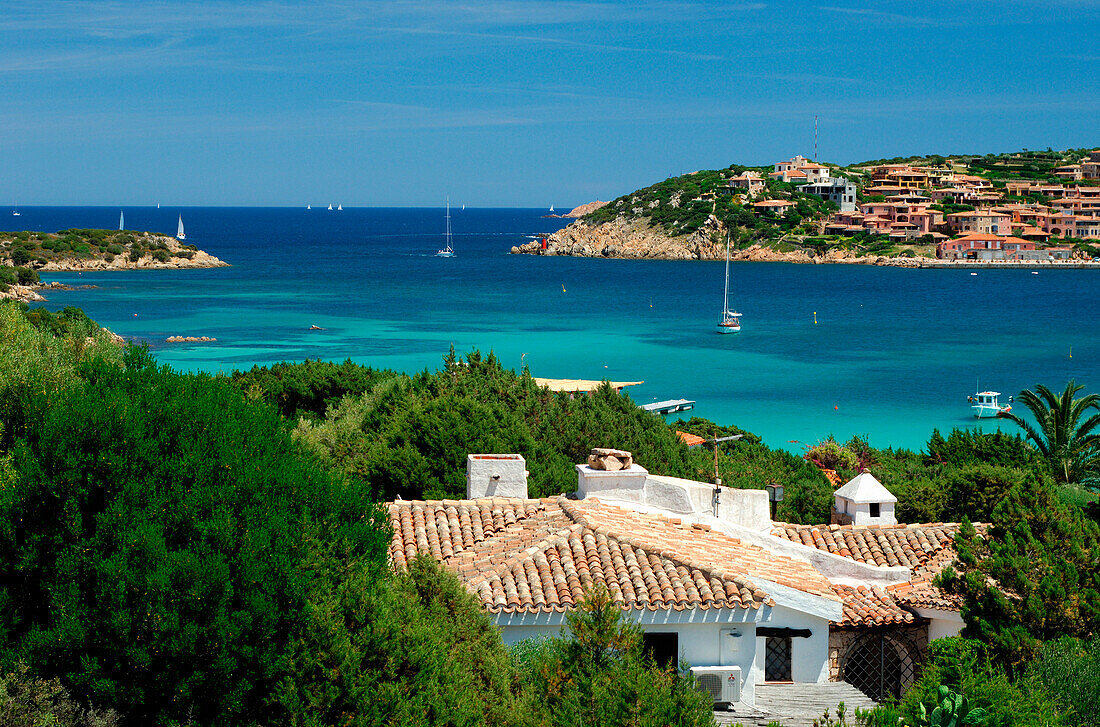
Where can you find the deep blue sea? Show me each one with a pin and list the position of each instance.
(893, 354)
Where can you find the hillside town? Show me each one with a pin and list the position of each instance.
(966, 216)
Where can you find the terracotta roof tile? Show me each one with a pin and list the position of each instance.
(925, 549)
(541, 555)
(871, 606)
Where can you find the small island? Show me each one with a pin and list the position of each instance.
(1025, 208)
(23, 255)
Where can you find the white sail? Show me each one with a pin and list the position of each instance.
(121, 220)
(330, 206)
(179, 230)
(308, 207)
(339, 207)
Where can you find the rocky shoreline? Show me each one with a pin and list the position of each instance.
(198, 259)
(636, 240)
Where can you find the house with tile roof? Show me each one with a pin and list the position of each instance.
(701, 568)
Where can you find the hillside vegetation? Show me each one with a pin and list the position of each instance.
(36, 249)
(682, 205)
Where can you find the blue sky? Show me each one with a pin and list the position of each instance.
(522, 103)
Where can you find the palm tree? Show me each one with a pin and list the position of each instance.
(1071, 446)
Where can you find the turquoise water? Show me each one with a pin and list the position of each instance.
(894, 352)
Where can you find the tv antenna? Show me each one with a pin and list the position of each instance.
(815, 137)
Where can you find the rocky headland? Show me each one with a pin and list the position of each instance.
(76, 251)
(636, 239)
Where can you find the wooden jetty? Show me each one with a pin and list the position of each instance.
(669, 407)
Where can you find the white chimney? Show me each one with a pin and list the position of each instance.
(496, 475)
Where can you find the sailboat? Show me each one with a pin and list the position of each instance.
(15, 212)
(731, 320)
(330, 206)
(179, 230)
(308, 207)
(121, 220)
(551, 208)
(447, 250)
(339, 208)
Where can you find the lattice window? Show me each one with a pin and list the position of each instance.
(777, 659)
(880, 665)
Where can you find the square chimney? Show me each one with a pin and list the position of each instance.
(496, 475)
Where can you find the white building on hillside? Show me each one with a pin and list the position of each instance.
(703, 570)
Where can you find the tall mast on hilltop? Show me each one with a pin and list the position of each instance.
(815, 137)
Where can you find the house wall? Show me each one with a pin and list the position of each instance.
(941, 624)
(809, 655)
(706, 644)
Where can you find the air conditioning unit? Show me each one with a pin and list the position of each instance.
(722, 683)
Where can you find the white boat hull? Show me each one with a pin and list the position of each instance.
(987, 412)
(729, 327)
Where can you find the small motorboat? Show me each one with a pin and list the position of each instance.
(985, 405)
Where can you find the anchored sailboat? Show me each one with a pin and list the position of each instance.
(731, 320)
(447, 250)
(179, 230)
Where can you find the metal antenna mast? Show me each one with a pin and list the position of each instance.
(815, 137)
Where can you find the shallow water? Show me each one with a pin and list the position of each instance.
(894, 352)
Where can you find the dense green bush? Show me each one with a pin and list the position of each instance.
(1033, 577)
(311, 387)
(114, 249)
(409, 436)
(963, 666)
(1069, 670)
(412, 649)
(29, 701)
(598, 674)
(158, 542)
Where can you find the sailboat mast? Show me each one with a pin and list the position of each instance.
(726, 293)
(448, 223)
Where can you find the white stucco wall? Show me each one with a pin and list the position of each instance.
(809, 655)
(701, 644)
(861, 512)
(626, 485)
(941, 624)
(496, 475)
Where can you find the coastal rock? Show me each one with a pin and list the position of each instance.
(198, 259)
(189, 339)
(631, 239)
(584, 209)
(636, 239)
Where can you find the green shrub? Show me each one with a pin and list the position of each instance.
(962, 666)
(114, 248)
(161, 256)
(414, 649)
(160, 541)
(1070, 670)
(832, 456)
(29, 701)
(20, 256)
(598, 674)
(26, 276)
